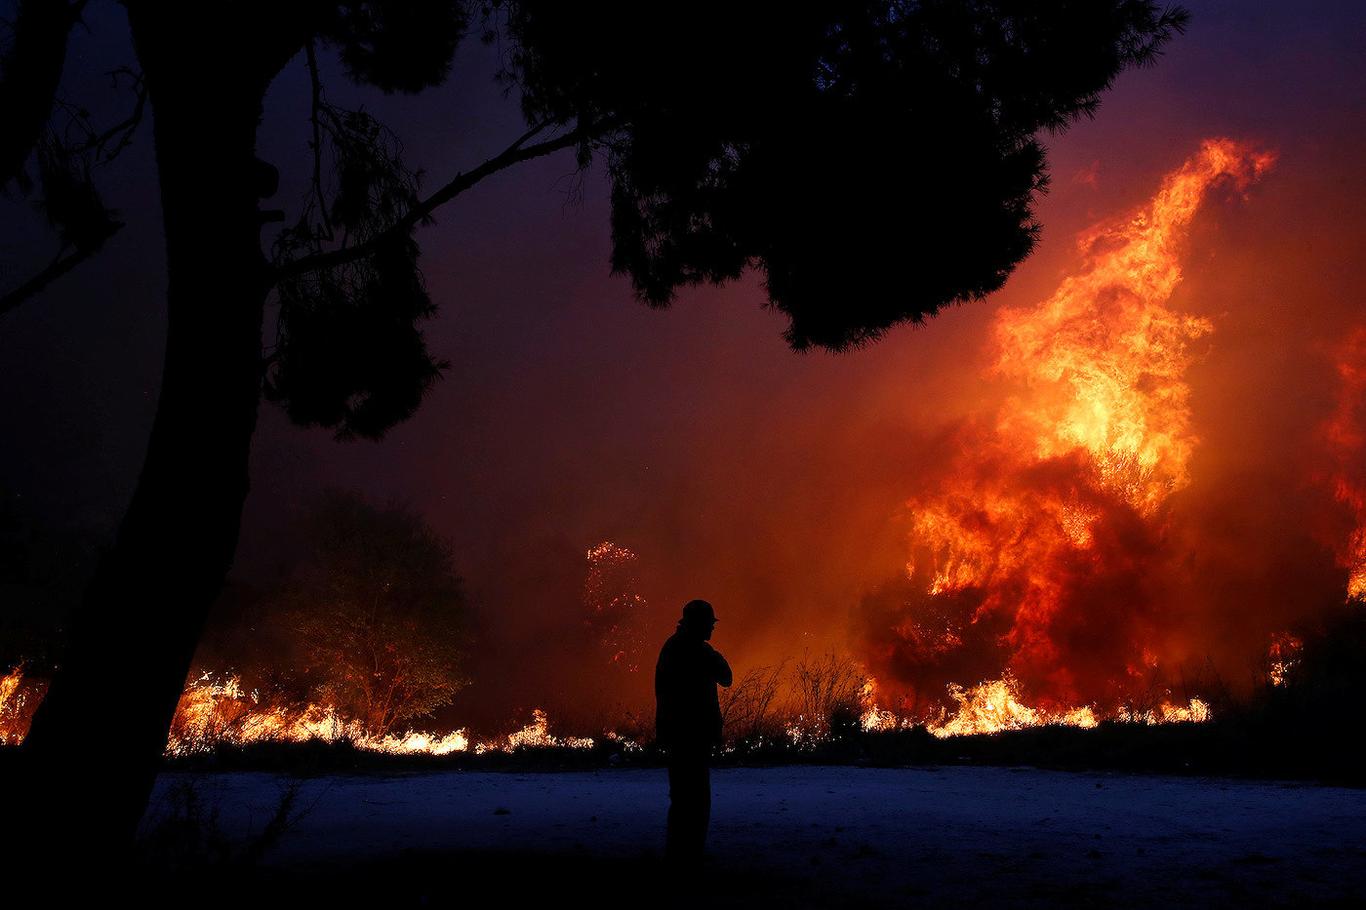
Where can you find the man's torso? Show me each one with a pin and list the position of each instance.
(688, 711)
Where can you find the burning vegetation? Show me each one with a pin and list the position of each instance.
(1346, 442)
(1047, 553)
(613, 605)
(19, 697)
(1050, 577)
(212, 714)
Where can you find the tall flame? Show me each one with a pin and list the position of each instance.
(1346, 446)
(1047, 501)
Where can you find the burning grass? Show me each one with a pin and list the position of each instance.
(216, 712)
(822, 709)
(1297, 727)
(811, 708)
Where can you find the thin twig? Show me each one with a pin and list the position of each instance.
(317, 139)
(99, 143)
(30, 72)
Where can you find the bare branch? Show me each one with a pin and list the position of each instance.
(29, 75)
(515, 153)
(529, 135)
(315, 113)
(107, 145)
(65, 262)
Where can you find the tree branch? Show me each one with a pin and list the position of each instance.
(64, 263)
(107, 145)
(514, 154)
(29, 76)
(314, 113)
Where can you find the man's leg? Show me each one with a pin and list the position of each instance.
(673, 836)
(703, 818)
(689, 803)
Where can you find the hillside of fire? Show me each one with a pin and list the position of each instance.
(1069, 561)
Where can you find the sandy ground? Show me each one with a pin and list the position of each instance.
(923, 836)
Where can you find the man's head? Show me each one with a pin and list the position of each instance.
(698, 618)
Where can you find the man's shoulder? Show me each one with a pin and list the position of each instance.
(680, 647)
(671, 645)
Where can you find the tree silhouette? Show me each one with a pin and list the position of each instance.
(379, 612)
(876, 161)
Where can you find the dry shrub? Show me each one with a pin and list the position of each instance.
(748, 708)
(829, 693)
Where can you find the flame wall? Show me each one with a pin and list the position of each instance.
(1048, 544)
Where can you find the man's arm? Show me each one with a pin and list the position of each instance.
(720, 668)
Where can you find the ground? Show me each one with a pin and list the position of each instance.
(819, 836)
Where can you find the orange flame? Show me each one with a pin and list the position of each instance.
(217, 711)
(1282, 657)
(19, 698)
(1094, 438)
(1346, 446)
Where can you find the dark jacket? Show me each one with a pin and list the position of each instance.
(687, 710)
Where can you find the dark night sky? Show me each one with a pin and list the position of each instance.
(769, 481)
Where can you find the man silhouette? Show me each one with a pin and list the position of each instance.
(688, 725)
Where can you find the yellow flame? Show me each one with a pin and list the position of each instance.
(1106, 356)
(214, 711)
(1097, 423)
(1099, 371)
(1196, 711)
(19, 696)
(11, 707)
(1282, 657)
(536, 735)
(995, 706)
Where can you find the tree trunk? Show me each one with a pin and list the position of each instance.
(91, 756)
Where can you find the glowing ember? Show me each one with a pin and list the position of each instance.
(1282, 657)
(612, 605)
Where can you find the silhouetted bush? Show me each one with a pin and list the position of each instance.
(749, 709)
